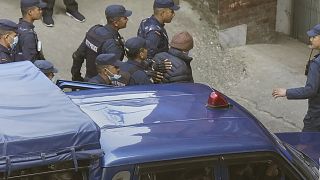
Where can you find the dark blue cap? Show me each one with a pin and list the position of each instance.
(8, 25)
(117, 11)
(108, 59)
(32, 3)
(315, 31)
(133, 45)
(45, 66)
(165, 4)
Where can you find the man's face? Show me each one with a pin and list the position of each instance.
(143, 54)
(315, 42)
(35, 13)
(168, 15)
(9, 37)
(122, 22)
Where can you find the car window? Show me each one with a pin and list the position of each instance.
(259, 167)
(182, 170)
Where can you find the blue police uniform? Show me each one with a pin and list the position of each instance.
(137, 74)
(6, 53)
(99, 40)
(45, 66)
(99, 80)
(154, 32)
(180, 70)
(311, 91)
(29, 46)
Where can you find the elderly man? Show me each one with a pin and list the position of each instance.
(311, 90)
(178, 55)
(99, 40)
(8, 40)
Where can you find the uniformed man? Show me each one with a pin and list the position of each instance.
(178, 55)
(108, 70)
(29, 47)
(8, 40)
(136, 51)
(72, 10)
(46, 67)
(101, 40)
(152, 29)
(311, 90)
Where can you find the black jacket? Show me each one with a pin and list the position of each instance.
(181, 69)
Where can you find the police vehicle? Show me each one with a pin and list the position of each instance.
(171, 132)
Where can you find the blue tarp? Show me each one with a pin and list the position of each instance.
(39, 124)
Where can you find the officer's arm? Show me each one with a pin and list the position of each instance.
(78, 58)
(153, 40)
(312, 85)
(141, 78)
(29, 47)
(112, 46)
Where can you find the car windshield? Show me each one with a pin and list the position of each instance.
(303, 161)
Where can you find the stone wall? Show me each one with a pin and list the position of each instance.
(259, 16)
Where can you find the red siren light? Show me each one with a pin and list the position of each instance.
(217, 100)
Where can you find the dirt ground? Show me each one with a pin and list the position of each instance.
(246, 73)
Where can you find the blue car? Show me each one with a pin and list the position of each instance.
(185, 131)
(189, 132)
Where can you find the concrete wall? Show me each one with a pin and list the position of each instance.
(284, 16)
(256, 17)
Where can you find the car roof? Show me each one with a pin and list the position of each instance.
(168, 121)
(38, 121)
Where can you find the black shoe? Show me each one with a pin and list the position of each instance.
(76, 15)
(48, 21)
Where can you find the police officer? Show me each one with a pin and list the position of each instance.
(152, 29)
(71, 10)
(101, 40)
(8, 40)
(178, 55)
(136, 52)
(311, 90)
(108, 70)
(29, 47)
(46, 67)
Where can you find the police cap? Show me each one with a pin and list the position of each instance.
(133, 45)
(117, 11)
(32, 3)
(315, 31)
(45, 66)
(108, 59)
(165, 4)
(8, 25)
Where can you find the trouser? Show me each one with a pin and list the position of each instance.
(71, 5)
(311, 124)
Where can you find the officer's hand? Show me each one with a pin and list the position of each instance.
(162, 66)
(77, 78)
(156, 76)
(279, 92)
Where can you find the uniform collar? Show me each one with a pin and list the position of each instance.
(154, 19)
(111, 29)
(180, 54)
(136, 63)
(25, 24)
